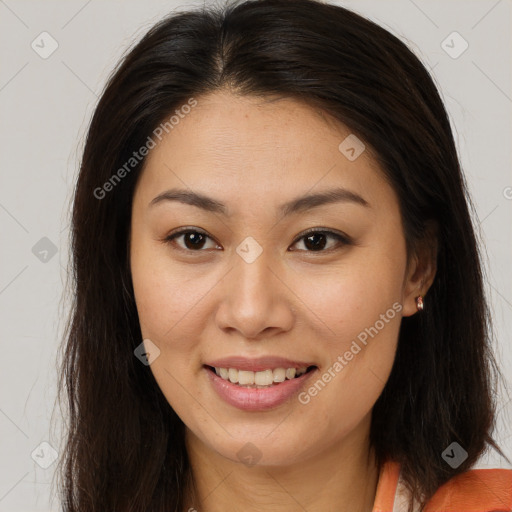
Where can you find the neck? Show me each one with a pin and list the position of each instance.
(341, 477)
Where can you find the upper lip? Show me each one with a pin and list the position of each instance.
(257, 364)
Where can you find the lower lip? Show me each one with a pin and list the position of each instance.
(257, 399)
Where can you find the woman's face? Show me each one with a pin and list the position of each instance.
(247, 286)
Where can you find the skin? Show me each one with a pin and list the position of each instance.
(254, 154)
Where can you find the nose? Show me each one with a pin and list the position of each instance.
(256, 301)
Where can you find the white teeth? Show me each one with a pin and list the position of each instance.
(264, 378)
(290, 373)
(233, 375)
(245, 377)
(279, 375)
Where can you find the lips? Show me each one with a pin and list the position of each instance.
(258, 397)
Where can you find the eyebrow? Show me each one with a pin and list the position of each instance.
(297, 205)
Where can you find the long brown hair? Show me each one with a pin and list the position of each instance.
(125, 446)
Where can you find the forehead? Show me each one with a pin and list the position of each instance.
(271, 148)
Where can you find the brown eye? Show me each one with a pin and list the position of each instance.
(192, 240)
(317, 241)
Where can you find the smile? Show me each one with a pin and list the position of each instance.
(258, 390)
(261, 379)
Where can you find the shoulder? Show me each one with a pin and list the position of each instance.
(476, 490)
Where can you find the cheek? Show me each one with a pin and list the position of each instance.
(359, 358)
(358, 310)
(163, 296)
(349, 298)
(154, 298)
(167, 307)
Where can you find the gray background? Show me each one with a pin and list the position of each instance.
(45, 107)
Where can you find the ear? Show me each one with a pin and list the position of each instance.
(421, 269)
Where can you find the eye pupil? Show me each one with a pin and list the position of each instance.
(315, 245)
(197, 240)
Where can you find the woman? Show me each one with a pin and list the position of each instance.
(279, 301)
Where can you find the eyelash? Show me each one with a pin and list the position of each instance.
(340, 237)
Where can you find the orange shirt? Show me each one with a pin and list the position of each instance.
(476, 490)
